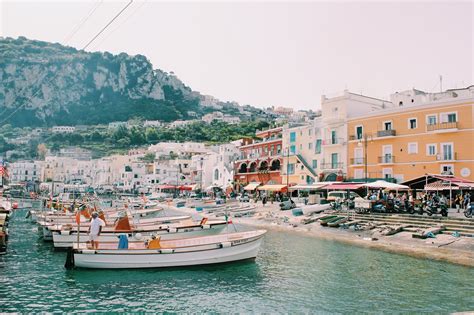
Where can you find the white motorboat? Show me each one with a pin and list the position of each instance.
(146, 225)
(310, 209)
(185, 229)
(202, 250)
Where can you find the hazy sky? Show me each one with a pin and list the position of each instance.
(272, 53)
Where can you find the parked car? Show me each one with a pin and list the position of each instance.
(341, 194)
(243, 198)
(287, 205)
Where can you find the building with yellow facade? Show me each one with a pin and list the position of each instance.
(424, 133)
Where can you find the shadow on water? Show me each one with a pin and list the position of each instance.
(225, 272)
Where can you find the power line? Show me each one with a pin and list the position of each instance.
(66, 40)
(82, 22)
(67, 64)
(120, 25)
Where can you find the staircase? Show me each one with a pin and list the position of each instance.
(310, 169)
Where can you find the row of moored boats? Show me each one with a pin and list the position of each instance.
(142, 236)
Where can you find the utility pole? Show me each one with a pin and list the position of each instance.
(365, 157)
(287, 172)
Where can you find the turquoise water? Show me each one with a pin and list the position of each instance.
(292, 274)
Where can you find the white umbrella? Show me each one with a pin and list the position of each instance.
(385, 185)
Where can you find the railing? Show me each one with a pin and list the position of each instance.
(332, 166)
(333, 141)
(442, 126)
(387, 159)
(386, 133)
(448, 156)
(357, 161)
(354, 137)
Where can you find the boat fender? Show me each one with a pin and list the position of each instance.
(167, 251)
(225, 244)
(206, 227)
(172, 230)
(88, 251)
(138, 236)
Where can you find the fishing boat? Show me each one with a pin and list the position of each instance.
(201, 250)
(64, 238)
(3, 233)
(48, 229)
(338, 221)
(324, 221)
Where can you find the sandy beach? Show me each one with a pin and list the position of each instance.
(444, 247)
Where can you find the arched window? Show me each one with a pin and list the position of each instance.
(275, 166)
(243, 168)
(253, 167)
(263, 166)
(216, 174)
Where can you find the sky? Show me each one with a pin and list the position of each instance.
(265, 53)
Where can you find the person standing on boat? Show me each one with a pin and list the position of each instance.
(94, 229)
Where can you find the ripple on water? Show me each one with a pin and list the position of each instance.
(292, 274)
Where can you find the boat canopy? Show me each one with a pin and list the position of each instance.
(273, 187)
(252, 186)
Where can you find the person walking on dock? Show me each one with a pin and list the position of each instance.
(94, 229)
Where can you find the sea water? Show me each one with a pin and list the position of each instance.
(292, 274)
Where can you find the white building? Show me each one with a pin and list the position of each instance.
(63, 129)
(117, 124)
(178, 148)
(25, 171)
(152, 123)
(75, 153)
(334, 134)
(180, 123)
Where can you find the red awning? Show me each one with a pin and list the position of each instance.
(166, 187)
(343, 186)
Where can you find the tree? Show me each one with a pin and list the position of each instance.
(41, 151)
(151, 135)
(149, 157)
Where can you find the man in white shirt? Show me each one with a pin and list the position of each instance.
(94, 230)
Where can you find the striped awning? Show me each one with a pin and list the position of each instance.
(252, 186)
(315, 186)
(440, 186)
(272, 187)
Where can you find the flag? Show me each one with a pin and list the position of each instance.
(78, 217)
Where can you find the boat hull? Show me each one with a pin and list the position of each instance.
(148, 259)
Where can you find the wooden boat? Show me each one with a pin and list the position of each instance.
(338, 221)
(297, 212)
(48, 229)
(324, 221)
(310, 209)
(66, 237)
(172, 253)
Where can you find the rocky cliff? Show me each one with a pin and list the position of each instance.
(55, 84)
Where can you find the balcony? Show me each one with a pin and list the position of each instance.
(448, 156)
(443, 127)
(333, 141)
(386, 133)
(357, 161)
(332, 166)
(387, 159)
